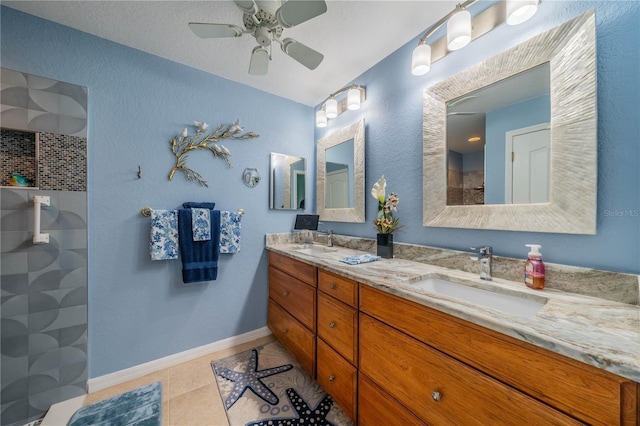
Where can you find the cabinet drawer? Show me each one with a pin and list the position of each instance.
(298, 298)
(338, 378)
(339, 287)
(585, 392)
(295, 268)
(338, 326)
(412, 372)
(376, 407)
(294, 336)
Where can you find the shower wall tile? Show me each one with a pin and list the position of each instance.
(13, 263)
(14, 285)
(43, 349)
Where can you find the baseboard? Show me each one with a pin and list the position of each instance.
(141, 370)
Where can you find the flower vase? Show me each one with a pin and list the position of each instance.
(385, 245)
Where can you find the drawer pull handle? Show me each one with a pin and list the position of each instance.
(332, 324)
(332, 378)
(436, 396)
(284, 331)
(332, 286)
(285, 293)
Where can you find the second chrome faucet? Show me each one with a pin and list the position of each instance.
(483, 254)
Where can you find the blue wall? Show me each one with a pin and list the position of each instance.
(393, 115)
(523, 114)
(140, 310)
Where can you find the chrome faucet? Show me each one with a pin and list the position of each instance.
(484, 256)
(329, 235)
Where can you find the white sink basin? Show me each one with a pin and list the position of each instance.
(315, 250)
(521, 306)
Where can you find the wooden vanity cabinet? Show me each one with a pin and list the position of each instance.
(441, 390)
(437, 350)
(292, 307)
(337, 343)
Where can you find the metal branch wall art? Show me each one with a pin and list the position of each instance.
(182, 144)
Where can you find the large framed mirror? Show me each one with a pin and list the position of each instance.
(287, 182)
(511, 143)
(340, 175)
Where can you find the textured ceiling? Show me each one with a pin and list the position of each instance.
(352, 35)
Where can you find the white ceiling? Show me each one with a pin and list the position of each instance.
(352, 35)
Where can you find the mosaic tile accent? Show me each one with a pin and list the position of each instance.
(43, 304)
(63, 162)
(17, 155)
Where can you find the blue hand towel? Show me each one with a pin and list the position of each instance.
(199, 258)
(163, 242)
(363, 258)
(194, 205)
(230, 232)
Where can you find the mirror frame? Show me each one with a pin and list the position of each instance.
(354, 131)
(570, 48)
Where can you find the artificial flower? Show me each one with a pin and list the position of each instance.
(201, 125)
(385, 223)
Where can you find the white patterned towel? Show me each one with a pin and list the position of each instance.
(230, 232)
(164, 235)
(201, 224)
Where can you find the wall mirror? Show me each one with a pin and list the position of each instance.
(498, 142)
(340, 175)
(568, 161)
(287, 179)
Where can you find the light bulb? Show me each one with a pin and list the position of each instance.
(519, 11)
(459, 30)
(353, 99)
(331, 108)
(421, 59)
(321, 118)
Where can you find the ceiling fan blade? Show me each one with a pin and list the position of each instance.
(295, 12)
(462, 113)
(259, 64)
(305, 55)
(204, 30)
(247, 6)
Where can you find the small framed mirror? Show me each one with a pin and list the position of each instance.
(287, 181)
(340, 175)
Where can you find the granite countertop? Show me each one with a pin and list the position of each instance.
(598, 332)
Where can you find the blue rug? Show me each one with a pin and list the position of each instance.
(266, 386)
(139, 407)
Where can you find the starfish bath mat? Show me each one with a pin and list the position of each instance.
(266, 386)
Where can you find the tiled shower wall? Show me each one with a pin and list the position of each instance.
(43, 338)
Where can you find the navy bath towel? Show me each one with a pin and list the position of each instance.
(199, 258)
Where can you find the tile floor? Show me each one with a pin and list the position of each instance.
(190, 395)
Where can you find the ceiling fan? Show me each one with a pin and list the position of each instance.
(266, 21)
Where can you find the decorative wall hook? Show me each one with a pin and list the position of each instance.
(139, 172)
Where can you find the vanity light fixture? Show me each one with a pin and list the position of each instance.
(462, 29)
(332, 107)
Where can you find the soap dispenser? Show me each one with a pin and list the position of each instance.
(534, 268)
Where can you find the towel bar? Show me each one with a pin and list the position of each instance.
(146, 211)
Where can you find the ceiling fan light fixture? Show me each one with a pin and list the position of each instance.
(259, 64)
(331, 108)
(321, 118)
(421, 59)
(474, 139)
(459, 29)
(519, 11)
